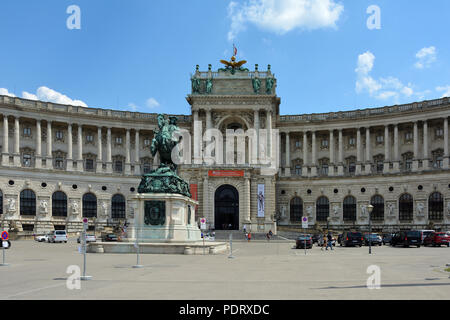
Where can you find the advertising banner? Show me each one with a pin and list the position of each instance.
(261, 201)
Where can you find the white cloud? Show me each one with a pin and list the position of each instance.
(425, 57)
(281, 16)
(5, 92)
(29, 96)
(152, 103)
(133, 107)
(382, 89)
(445, 89)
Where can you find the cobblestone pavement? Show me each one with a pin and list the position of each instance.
(259, 270)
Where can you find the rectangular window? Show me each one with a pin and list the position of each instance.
(324, 169)
(27, 132)
(408, 164)
(380, 166)
(59, 163)
(118, 167)
(89, 165)
(298, 144)
(59, 135)
(324, 143)
(298, 170)
(408, 136)
(147, 167)
(118, 140)
(27, 160)
(89, 138)
(351, 167)
(380, 139)
(439, 132)
(351, 141)
(147, 142)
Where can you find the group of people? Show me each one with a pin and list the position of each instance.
(327, 241)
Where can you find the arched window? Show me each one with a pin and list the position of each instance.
(436, 206)
(405, 207)
(118, 206)
(89, 205)
(350, 208)
(28, 203)
(296, 209)
(1, 202)
(322, 209)
(59, 204)
(378, 208)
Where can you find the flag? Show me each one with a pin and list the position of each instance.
(234, 50)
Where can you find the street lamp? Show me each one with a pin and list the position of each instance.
(369, 210)
(328, 222)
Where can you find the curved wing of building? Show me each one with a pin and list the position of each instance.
(247, 164)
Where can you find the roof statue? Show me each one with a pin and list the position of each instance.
(232, 65)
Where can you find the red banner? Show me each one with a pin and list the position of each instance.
(194, 191)
(226, 173)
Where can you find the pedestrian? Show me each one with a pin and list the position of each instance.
(324, 241)
(270, 233)
(249, 237)
(246, 236)
(245, 228)
(329, 241)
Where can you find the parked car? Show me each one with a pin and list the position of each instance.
(386, 238)
(351, 239)
(304, 240)
(89, 238)
(58, 236)
(407, 238)
(425, 233)
(316, 237)
(437, 239)
(7, 247)
(375, 239)
(110, 237)
(41, 238)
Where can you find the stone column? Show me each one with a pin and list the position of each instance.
(16, 153)
(108, 152)
(313, 156)
(287, 169)
(425, 161)
(305, 154)
(137, 160)
(127, 153)
(446, 154)
(247, 195)
(80, 167)
(197, 138)
(341, 155)
(69, 148)
(49, 160)
(396, 150)
(331, 146)
(269, 134)
(38, 158)
(256, 121)
(5, 147)
(206, 207)
(415, 165)
(386, 150)
(99, 150)
(368, 166)
(358, 151)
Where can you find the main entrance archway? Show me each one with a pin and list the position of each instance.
(226, 208)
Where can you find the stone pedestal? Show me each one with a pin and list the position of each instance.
(165, 217)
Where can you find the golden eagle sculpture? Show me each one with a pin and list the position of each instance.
(232, 65)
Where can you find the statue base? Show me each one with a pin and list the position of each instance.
(163, 180)
(163, 224)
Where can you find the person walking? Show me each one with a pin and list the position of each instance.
(329, 241)
(249, 237)
(324, 241)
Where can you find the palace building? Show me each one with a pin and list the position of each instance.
(61, 163)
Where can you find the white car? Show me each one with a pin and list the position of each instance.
(42, 238)
(58, 236)
(89, 238)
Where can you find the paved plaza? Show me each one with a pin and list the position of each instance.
(260, 270)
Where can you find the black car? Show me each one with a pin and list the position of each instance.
(351, 239)
(110, 237)
(304, 240)
(316, 237)
(407, 238)
(374, 240)
(387, 238)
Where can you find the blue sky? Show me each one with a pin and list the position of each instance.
(139, 54)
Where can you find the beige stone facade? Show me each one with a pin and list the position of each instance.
(60, 163)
